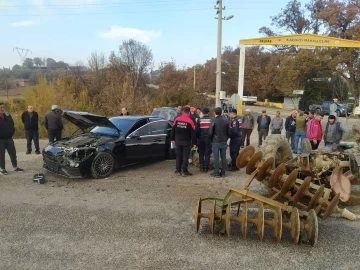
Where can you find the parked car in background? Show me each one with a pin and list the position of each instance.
(249, 100)
(107, 144)
(342, 109)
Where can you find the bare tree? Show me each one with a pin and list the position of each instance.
(137, 59)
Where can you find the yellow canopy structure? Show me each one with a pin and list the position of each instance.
(304, 40)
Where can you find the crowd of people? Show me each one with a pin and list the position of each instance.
(192, 129)
(30, 119)
(300, 125)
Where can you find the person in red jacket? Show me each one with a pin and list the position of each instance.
(314, 131)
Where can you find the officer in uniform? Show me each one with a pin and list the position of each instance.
(204, 144)
(235, 138)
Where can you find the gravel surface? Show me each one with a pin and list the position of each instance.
(141, 218)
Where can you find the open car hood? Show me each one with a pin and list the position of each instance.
(85, 120)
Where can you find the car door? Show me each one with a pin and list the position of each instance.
(158, 134)
(138, 142)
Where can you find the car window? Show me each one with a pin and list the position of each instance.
(138, 124)
(158, 127)
(144, 131)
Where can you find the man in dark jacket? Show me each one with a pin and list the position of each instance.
(53, 124)
(7, 130)
(235, 138)
(204, 145)
(263, 122)
(219, 134)
(30, 120)
(290, 127)
(184, 136)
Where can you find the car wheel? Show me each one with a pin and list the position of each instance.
(337, 113)
(318, 110)
(102, 165)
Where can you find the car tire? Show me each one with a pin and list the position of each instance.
(338, 114)
(318, 110)
(103, 165)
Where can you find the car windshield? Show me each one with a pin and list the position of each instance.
(122, 124)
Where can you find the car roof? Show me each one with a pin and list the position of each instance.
(137, 117)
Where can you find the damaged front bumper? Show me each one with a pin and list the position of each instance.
(68, 162)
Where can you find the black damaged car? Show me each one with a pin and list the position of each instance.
(107, 144)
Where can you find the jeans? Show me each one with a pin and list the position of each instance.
(291, 136)
(219, 149)
(182, 156)
(299, 137)
(32, 135)
(276, 131)
(7, 144)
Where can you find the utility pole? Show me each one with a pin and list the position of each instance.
(22, 53)
(194, 77)
(220, 18)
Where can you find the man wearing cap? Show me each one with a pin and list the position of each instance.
(248, 122)
(277, 124)
(204, 144)
(263, 122)
(334, 132)
(235, 138)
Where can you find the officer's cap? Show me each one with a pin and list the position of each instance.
(205, 110)
(234, 111)
(225, 111)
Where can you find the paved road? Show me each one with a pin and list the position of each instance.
(141, 218)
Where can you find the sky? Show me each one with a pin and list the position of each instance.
(182, 30)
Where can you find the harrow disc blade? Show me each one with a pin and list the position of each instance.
(289, 182)
(254, 160)
(301, 191)
(332, 205)
(265, 168)
(314, 200)
(295, 225)
(276, 175)
(312, 228)
(244, 156)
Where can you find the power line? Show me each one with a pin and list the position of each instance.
(22, 53)
(135, 2)
(124, 12)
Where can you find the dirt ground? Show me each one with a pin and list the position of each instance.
(141, 218)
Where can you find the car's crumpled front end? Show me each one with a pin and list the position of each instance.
(72, 157)
(70, 162)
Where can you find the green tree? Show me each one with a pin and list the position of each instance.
(28, 63)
